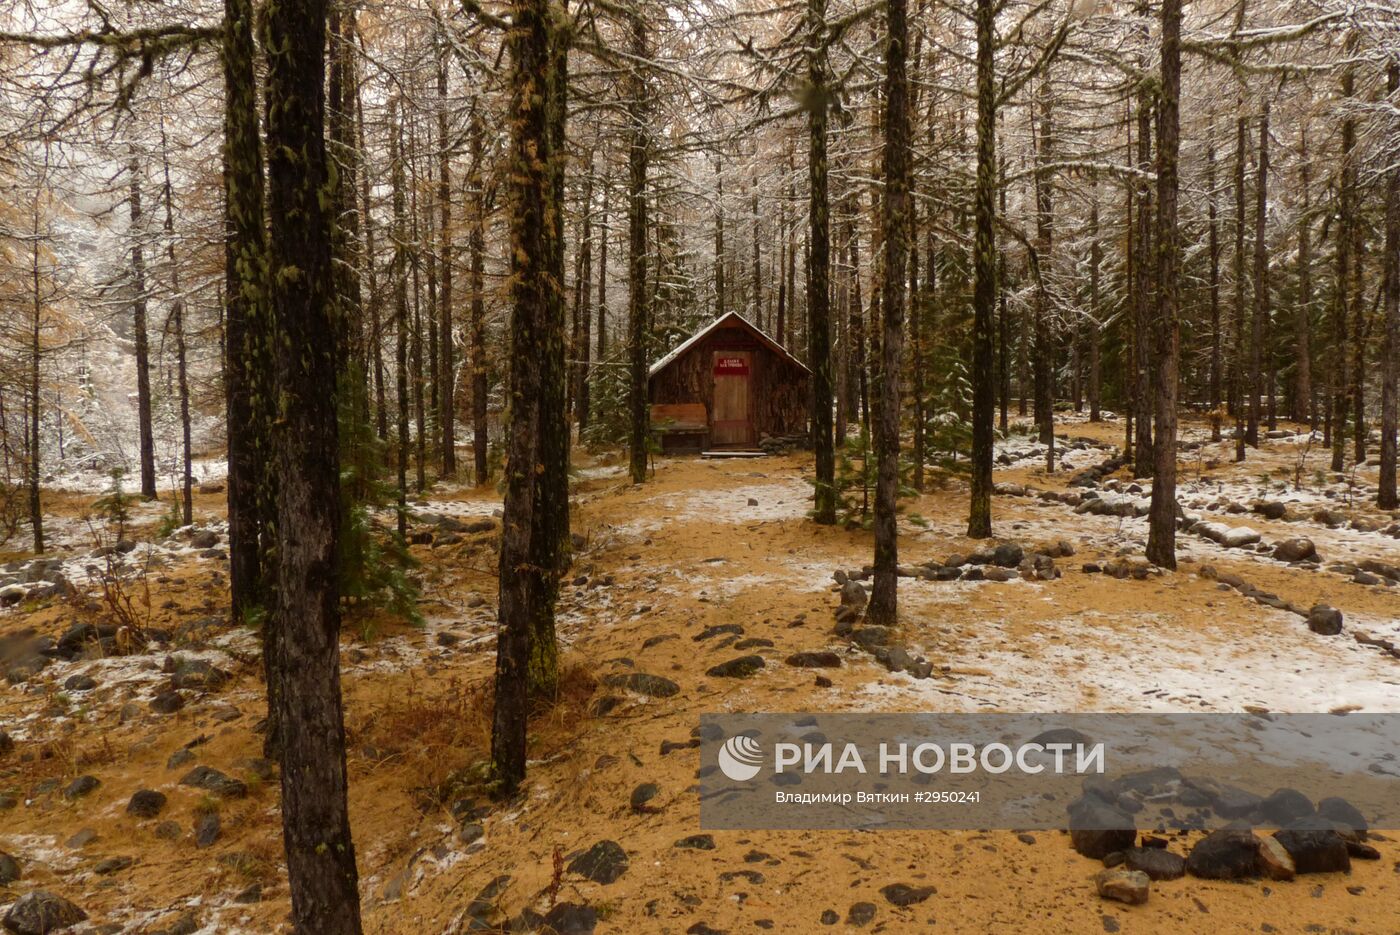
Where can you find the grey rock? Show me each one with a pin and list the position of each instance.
(1298, 549)
(740, 668)
(9, 869)
(80, 787)
(1228, 854)
(814, 660)
(1325, 620)
(39, 912)
(653, 686)
(902, 894)
(211, 780)
(696, 842)
(146, 803)
(1156, 862)
(1315, 846)
(604, 862)
(207, 829)
(1125, 886)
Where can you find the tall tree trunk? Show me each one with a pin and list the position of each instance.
(139, 336)
(32, 420)
(522, 576)
(1237, 355)
(719, 239)
(603, 231)
(637, 311)
(1303, 408)
(1143, 312)
(176, 324)
(1003, 314)
(476, 247)
(400, 277)
(1043, 367)
(315, 819)
(551, 535)
(1346, 194)
(819, 267)
(756, 271)
(248, 325)
(447, 372)
(984, 268)
(1095, 328)
(1213, 219)
(1386, 497)
(1161, 535)
(1259, 327)
(583, 306)
(883, 598)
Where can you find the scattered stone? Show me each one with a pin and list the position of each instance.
(7, 744)
(1341, 812)
(814, 660)
(180, 757)
(697, 842)
(1098, 828)
(80, 787)
(829, 917)
(1156, 862)
(740, 668)
(204, 539)
(853, 596)
(653, 686)
(207, 829)
(1274, 860)
(81, 840)
(860, 914)
(603, 863)
(39, 912)
(1325, 620)
(211, 780)
(1228, 854)
(146, 803)
(1315, 846)
(1125, 886)
(902, 894)
(869, 637)
(719, 630)
(9, 869)
(1296, 550)
(1284, 806)
(642, 796)
(571, 919)
(79, 683)
(167, 702)
(111, 865)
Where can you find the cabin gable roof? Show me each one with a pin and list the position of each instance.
(726, 320)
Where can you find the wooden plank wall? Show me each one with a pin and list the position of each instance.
(778, 390)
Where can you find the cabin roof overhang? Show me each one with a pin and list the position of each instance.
(724, 321)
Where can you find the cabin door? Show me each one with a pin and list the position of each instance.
(732, 424)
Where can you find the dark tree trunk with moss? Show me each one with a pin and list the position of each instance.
(984, 271)
(552, 475)
(819, 267)
(637, 157)
(1386, 497)
(248, 386)
(315, 819)
(523, 572)
(883, 598)
(1161, 533)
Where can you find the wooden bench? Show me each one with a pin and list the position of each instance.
(680, 426)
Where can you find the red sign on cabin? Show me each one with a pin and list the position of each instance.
(731, 366)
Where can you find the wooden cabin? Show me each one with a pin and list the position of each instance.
(727, 387)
